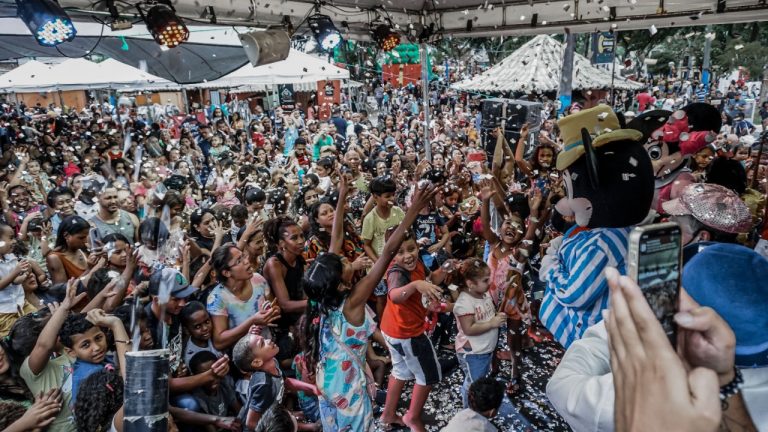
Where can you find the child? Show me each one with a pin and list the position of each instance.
(197, 324)
(99, 405)
(307, 402)
(144, 334)
(376, 223)
(485, 396)
(509, 251)
(339, 324)
(256, 355)
(83, 340)
(12, 274)
(478, 324)
(413, 356)
(218, 396)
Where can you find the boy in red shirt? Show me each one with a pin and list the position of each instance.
(402, 325)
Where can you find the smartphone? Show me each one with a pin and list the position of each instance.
(655, 263)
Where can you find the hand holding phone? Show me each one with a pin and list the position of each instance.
(655, 264)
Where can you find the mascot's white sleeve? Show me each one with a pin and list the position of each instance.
(581, 389)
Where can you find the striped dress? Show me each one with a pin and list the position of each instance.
(577, 290)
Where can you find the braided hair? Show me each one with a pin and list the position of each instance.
(321, 284)
(99, 397)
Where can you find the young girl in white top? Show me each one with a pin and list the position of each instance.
(478, 323)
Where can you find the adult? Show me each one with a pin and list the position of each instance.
(238, 301)
(111, 219)
(284, 271)
(68, 259)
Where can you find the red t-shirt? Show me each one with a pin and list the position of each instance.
(643, 99)
(404, 320)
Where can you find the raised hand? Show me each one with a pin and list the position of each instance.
(423, 195)
(72, 298)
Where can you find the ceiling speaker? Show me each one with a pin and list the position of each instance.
(265, 47)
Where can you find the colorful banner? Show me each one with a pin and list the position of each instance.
(603, 45)
(328, 93)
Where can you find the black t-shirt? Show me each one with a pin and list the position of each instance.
(174, 335)
(428, 226)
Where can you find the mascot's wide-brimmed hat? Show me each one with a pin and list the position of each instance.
(594, 127)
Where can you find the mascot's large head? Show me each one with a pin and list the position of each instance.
(607, 173)
(685, 133)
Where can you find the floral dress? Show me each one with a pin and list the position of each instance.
(507, 283)
(344, 403)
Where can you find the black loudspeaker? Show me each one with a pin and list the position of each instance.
(513, 114)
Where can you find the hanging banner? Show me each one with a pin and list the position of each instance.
(287, 96)
(603, 45)
(328, 93)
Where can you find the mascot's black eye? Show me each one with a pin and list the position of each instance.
(654, 152)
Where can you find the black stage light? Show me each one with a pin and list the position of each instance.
(47, 21)
(326, 34)
(165, 26)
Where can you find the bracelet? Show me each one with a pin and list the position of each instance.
(534, 219)
(127, 342)
(731, 389)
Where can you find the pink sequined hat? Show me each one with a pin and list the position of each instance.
(713, 205)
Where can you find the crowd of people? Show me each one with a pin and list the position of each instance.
(302, 271)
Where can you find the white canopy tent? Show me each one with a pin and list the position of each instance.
(536, 67)
(298, 69)
(80, 74)
(23, 73)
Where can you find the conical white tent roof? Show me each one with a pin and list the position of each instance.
(536, 66)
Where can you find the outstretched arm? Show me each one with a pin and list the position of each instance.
(46, 342)
(354, 306)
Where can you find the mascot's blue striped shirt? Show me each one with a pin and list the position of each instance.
(577, 290)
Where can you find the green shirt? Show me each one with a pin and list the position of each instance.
(319, 144)
(375, 227)
(56, 374)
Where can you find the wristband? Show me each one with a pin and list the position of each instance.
(731, 389)
(443, 307)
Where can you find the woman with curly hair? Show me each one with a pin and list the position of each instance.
(338, 324)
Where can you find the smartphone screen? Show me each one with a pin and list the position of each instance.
(656, 252)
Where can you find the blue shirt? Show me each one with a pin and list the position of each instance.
(577, 290)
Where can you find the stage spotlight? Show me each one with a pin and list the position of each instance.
(165, 26)
(385, 38)
(47, 21)
(326, 34)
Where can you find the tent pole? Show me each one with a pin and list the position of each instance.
(613, 69)
(425, 97)
(565, 93)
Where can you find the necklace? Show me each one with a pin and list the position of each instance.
(113, 221)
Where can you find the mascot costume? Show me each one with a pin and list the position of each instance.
(609, 182)
(671, 147)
